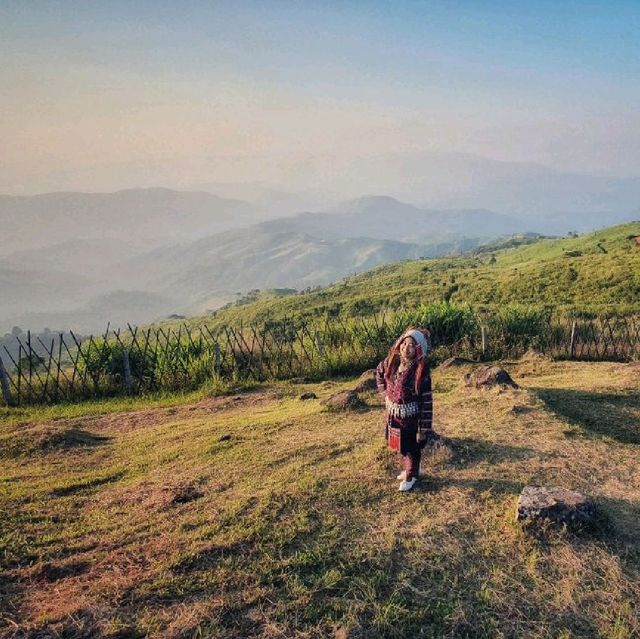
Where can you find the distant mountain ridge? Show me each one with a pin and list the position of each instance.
(311, 249)
(453, 180)
(384, 217)
(148, 217)
(187, 252)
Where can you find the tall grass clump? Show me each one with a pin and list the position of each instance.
(515, 328)
(453, 327)
(449, 323)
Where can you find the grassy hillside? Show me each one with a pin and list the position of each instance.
(309, 249)
(260, 515)
(596, 271)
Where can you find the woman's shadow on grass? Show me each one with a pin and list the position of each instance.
(432, 484)
(465, 452)
(615, 415)
(469, 451)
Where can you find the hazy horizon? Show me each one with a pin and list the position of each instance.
(297, 96)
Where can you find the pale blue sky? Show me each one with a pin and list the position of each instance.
(90, 88)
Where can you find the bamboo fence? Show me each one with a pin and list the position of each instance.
(134, 361)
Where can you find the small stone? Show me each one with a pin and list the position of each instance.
(309, 395)
(486, 376)
(224, 438)
(556, 504)
(367, 382)
(254, 614)
(344, 400)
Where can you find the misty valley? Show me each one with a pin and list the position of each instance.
(77, 261)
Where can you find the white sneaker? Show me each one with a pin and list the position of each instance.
(403, 475)
(406, 485)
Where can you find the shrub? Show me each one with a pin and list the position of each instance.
(107, 359)
(448, 323)
(517, 328)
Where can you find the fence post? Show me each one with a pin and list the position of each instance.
(127, 370)
(484, 342)
(572, 345)
(217, 360)
(4, 382)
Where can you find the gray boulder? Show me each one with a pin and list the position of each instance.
(344, 400)
(486, 376)
(556, 504)
(367, 382)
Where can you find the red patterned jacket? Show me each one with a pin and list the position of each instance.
(401, 390)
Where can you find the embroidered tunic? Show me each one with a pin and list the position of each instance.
(407, 410)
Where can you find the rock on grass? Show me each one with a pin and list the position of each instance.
(556, 504)
(344, 400)
(367, 382)
(487, 376)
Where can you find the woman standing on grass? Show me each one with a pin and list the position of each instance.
(405, 381)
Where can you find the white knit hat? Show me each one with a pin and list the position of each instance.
(420, 339)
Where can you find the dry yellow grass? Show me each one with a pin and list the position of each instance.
(265, 516)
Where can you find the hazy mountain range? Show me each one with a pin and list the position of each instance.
(76, 260)
(141, 217)
(445, 180)
(84, 282)
(286, 183)
(456, 180)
